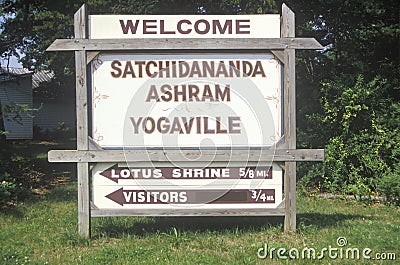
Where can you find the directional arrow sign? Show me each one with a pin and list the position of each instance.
(115, 173)
(123, 197)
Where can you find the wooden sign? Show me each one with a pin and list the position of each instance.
(163, 186)
(182, 126)
(164, 100)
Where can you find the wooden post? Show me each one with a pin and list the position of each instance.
(288, 31)
(82, 125)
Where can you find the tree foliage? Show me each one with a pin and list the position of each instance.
(347, 94)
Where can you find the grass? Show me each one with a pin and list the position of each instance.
(44, 231)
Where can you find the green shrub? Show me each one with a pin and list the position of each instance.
(8, 189)
(15, 180)
(362, 154)
(389, 186)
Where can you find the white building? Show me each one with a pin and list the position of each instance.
(15, 92)
(16, 86)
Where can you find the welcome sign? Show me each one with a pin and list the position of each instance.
(187, 26)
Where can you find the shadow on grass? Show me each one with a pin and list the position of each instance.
(320, 220)
(62, 193)
(12, 211)
(120, 226)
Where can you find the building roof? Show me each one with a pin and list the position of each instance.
(11, 73)
(41, 76)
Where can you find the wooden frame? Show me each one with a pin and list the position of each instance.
(284, 50)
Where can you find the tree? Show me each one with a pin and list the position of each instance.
(347, 94)
(355, 83)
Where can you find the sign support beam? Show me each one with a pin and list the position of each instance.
(184, 44)
(159, 155)
(288, 30)
(82, 126)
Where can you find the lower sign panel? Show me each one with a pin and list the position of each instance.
(220, 194)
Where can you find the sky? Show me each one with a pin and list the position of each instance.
(13, 60)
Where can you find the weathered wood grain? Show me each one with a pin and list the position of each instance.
(189, 212)
(288, 31)
(184, 44)
(82, 126)
(185, 155)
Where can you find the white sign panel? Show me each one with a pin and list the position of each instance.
(161, 186)
(191, 100)
(188, 26)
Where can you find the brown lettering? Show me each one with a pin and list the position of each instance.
(152, 94)
(240, 26)
(166, 90)
(221, 70)
(219, 130)
(234, 124)
(196, 26)
(136, 124)
(148, 72)
(188, 125)
(207, 94)
(195, 70)
(227, 26)
(152, 125)
(176, 126)
(128, 70)
(193, 92)
(206, 130)
(147, 25)
(178, 93)
(114, 66)
(247, 68)
(140, 64)
(221, 95)
(128, 26)
(165, 127)
(179, 26)
(258, 69)
(162, 28)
